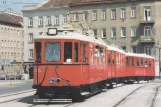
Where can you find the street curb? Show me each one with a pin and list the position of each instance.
(12, 82)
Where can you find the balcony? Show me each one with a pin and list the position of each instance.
(150, 19)
(147, 39)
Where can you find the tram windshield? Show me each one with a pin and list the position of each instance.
(52, 52)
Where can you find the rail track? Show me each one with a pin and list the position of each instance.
(152, 101)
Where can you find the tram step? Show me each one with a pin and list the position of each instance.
(51, 100)
(85, 93)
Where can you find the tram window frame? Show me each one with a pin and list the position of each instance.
(52, 48)
(68, 57)
(76, 52)
(38, 52)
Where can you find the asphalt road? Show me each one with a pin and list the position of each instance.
(132, 95)
(16, 87)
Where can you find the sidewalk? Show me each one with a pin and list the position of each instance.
(13, 82)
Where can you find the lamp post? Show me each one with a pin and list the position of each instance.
(159, 62)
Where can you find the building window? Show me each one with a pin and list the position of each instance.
(48, 20)
(30, 53)
(103, 14)
(123, 13)
(40, 21)
(75, 17)
(94, 15)
(113, 13)
(95, 32)
(113, 32)
(2, 43)
(147, 30)
(147, 50)
(134, 49)
(103, 33)
(84, 16)
(133, 11)
(30, 21)
(133, 31)
(123, 32)
(64, 19)
(30, 38)
(147, 13)
(56, 21)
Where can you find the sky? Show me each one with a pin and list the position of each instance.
(17, 5)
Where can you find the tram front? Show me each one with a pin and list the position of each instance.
(57, 67)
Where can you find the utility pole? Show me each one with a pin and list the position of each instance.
(159, 64)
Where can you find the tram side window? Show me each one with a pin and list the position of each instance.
(109, 59)
(138, 62)
(68, 52)
(132, 61)
(84, 53)
(149, 63)
(76, 53)
(127, 61)
(91, 54)
(142, 62)
(113, 58)
(38, 52)
(146, 65)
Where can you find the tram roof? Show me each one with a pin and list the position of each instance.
(75, 36)
(139, 55)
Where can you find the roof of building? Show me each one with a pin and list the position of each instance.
(11, 18)
(87, 2)
(56, 3)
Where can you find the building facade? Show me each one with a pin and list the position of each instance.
(132, 25)
(38, 18)
(11, 37)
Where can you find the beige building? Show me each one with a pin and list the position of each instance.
(133, 25)
(11, 37)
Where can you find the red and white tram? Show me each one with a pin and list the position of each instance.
(77, 64)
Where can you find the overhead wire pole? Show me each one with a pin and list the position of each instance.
(159, 62)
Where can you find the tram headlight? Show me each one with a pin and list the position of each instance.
(58, 80)
(51, 80)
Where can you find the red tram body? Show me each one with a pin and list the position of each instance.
(76, 64)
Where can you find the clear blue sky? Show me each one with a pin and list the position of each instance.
(17, 5)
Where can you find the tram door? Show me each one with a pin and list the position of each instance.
(84, 62)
